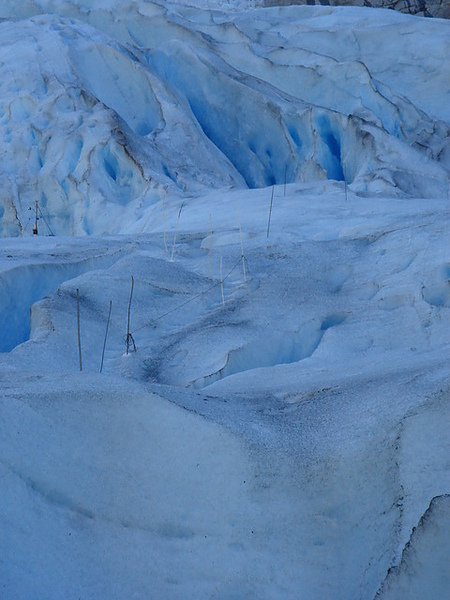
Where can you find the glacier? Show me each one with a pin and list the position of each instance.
(148, 101)
(275, 183)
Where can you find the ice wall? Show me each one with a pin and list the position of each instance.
(59, 144)
(88, 132)
(107, 109)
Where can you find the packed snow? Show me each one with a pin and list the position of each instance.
(224, 359)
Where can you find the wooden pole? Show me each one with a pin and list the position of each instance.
(270, 211)
(35, 227)
(128, 317)
(175, 234)
(242, 246)
(78, 327)
(210, 246)
(221, 282)
(106, 335)
(164, 220)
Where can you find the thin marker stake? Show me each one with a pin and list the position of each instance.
(221, 282)
(106, 335)
(210, 246)
(345, 179)
(78, 327)
(242, 246)
(164, 221)
(175, 235)
(35, 226)
(128, 316)
(270, 211)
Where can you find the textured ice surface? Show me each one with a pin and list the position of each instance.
(281, 430)
(423, 571)
(110, 108)
(283, 443)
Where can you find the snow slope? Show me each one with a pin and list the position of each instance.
(276, 184)
(282, 444)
